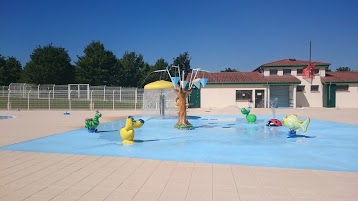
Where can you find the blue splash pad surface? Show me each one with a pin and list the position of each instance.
(215, 139)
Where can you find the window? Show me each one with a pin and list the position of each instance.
(300, 88)
(243, 95)
(314, 87)
(273, 71)
(342, 88)
(299, 71)
(286, 71)
(316, 71)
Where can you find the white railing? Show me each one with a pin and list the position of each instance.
(22, 96)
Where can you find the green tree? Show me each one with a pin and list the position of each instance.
(133, 70)
(152, 76)
(183, 60)
(98, 66)
(328, 69)
(10, 70)
(229, 70)
(2, 70)
(49, 65)
(343, 69)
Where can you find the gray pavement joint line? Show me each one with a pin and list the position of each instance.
(97, 183)
(70, 175)
(260, 183)
(31, 165)
(7, 153)
(126, 179)
(233, 176)
(89, 174)
(13, 163)
(31, 159)
(51, 174)
(29, 175)
(212, 182)
(171, 173)
(87, 177)
(145, 180)
(23, 155)
(40, 177)
(191, 176)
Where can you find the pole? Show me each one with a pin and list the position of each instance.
(69, 100)
(91, 104)
(8, 100)
(49, 100)
(310, 52)
(113, 100)
(28, 100)
(135, 99)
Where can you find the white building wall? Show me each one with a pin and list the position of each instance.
(309, 98)
(217, 97)
(348, 99)
(225, 97)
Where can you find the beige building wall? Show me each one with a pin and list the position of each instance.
(348, 99)
(310, 98)
(212, 97)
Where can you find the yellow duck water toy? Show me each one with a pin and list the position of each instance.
(293, 123)
(127, 132)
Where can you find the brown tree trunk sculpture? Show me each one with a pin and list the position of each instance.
(180, 101)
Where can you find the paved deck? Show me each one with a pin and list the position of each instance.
(45, 176)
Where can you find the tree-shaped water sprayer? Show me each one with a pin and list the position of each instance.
(183, 88)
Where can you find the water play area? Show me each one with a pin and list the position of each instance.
(214, 139)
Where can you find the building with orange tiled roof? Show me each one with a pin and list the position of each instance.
(281, 83)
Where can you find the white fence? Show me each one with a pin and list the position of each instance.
(22, 96)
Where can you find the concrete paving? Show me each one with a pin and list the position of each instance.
(48, 176)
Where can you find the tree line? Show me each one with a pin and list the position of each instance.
(98, 66)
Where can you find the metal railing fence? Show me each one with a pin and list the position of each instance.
(22, 96)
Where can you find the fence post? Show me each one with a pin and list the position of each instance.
(135, 99)
(120, 94)
(104, 92)
(91, 104)
(3, 91)
(53, 92)
(69, 100)
(49, 100)
(8, 100)
(38, 91)
(28, 100)
(113, 99)
(23, 93)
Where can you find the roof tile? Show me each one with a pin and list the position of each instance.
(346, 76)
(247, 77)
(293, 62)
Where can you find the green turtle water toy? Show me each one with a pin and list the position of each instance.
(251, 118)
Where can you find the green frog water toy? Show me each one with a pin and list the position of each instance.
(251, 118)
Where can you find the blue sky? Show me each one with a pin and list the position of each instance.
(239, 34)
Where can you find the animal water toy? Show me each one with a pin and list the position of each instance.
(274, 122)
(251, 118)
(293, 123)
(91, 124)
(127, 132)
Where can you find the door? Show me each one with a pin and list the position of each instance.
(279, 96)
(329, 95)
(259, 97)
(194, 98)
